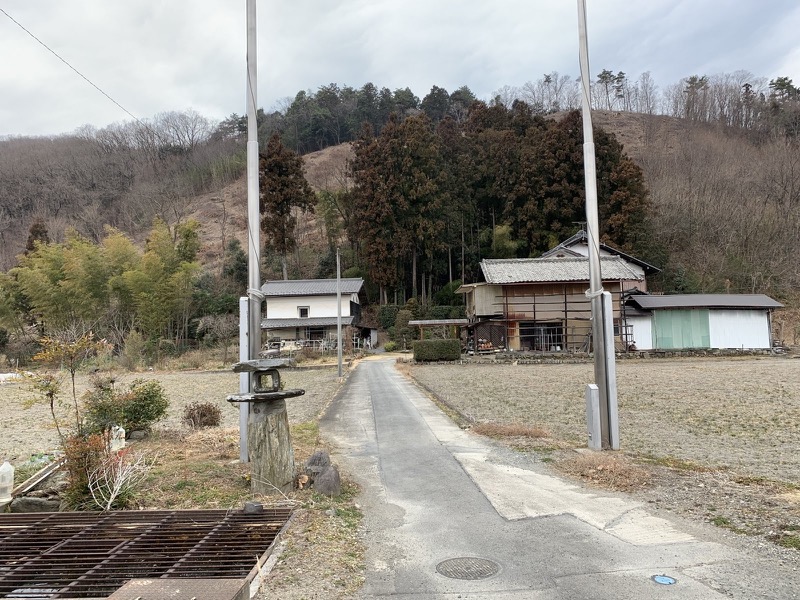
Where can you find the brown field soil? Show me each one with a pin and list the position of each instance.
(742, 414)
(27, 428)
(712, 439)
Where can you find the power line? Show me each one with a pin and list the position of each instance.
(54, 53)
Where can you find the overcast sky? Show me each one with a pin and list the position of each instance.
(154, 56)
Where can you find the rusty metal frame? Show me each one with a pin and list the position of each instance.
(91, 555)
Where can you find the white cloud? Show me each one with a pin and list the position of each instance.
(159, 56)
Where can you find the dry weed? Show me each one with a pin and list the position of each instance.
(499, 430)
(612, 471)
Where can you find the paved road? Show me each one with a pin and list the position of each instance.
(445, 509)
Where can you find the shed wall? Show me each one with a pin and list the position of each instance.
(488, 300)
(745, 329)
(641, 332)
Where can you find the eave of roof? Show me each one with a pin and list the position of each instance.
(550, 270)
(732, 301)
(308, 322)
(435, 322)
(311, 287)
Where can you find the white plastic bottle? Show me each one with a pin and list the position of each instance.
(6, 482)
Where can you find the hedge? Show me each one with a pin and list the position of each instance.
(427, 350)
(387, 315)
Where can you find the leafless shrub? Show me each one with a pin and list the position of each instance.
(202, 414)
(112, 483)
(611, 471)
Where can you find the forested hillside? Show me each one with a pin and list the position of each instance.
(100, 226)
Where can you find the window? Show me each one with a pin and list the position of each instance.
(302, 312)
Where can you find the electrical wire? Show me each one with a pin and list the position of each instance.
(54, 53)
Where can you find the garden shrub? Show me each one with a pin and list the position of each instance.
(438, 312)
(144, 404)
(137, 408)
(387, 315)
(403, 334)
(390, 346)
(202, 414)
(431, 350)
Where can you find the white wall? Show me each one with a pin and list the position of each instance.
(319, 306)
(743, 329)
(642, 331)
(748, 329)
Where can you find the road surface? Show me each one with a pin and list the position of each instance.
(451, 515)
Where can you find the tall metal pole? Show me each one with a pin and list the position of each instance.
(599, 343)
(339, 311)
(253, 222)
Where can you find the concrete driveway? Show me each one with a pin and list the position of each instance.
(450, 515)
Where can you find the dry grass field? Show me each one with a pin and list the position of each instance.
(27, 428)
(738, 413)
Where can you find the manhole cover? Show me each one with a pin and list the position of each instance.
(664, 579)
(467, 568)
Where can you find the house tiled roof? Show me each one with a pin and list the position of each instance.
(582, 238)
(297, 322)
(734, 301)
(538, 270)
(311, 287)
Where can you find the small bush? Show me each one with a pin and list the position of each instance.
(390, 346)
(202, 414)
(387, 315)
(403, 333)
(135, 409)
(144, 404)
(438, 312)
(84, 455)
(308, 353)
(430, 350)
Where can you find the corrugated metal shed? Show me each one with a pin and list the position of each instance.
(311, 287)
(647, 302)
(539, 270)
(309, 322)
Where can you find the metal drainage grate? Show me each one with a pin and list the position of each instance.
(91, 555)
(468, 568)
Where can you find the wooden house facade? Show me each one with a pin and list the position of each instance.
(540, 304)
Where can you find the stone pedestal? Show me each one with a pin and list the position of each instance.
(269, 440)
(270, 445)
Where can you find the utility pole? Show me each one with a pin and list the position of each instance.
(254, 294)
(339, 311)
(602, 306)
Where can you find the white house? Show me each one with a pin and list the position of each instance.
(306, 309)
(686, 321)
